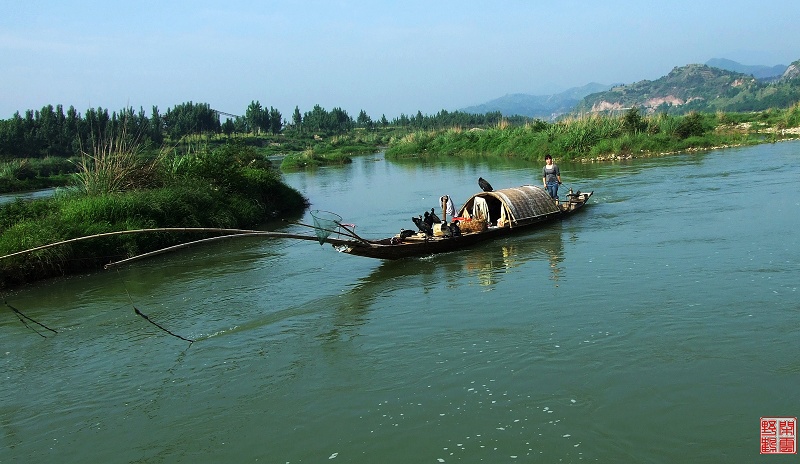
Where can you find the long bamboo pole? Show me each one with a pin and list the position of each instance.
(135, 231)
(222, 237)
(228, 232)
(173, 248)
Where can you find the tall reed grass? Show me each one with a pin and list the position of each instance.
(116, 162)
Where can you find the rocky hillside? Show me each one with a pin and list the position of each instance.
(698, 87)
(792, 72)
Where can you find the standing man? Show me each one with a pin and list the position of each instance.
(551, 177)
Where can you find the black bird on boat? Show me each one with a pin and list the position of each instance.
(422, 225)
(484, 185)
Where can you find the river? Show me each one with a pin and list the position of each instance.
(657, 325)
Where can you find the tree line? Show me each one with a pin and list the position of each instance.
(54, 132)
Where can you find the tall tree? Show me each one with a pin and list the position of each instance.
(297, 120)
(364, 120)
(156, 126)
(257, 118)
(341, 122)
(315, 119)
(228, 127)
(275, 121)
(72, 130)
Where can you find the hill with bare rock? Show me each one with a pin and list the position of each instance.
(699, 87)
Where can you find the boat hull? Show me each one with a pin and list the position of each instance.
(396, 248)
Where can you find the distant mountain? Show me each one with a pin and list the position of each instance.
(545, 107)
(757, 71)
(698, 87)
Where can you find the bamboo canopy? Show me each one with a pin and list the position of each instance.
(518, 204)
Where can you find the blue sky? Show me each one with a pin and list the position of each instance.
(380, 56)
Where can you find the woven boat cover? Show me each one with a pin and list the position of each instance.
(520, 203)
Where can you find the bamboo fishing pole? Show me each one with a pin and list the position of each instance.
(135, 231)
(229, 233)
(210, 239)
(173, 248)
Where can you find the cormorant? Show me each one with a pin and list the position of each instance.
(485, 186)
(422, 225)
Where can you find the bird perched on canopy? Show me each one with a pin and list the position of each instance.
(484, 185)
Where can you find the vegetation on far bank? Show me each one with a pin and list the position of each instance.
(598, 137)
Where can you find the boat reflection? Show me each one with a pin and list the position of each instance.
(489, 263)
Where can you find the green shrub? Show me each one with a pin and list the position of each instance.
(691, 125)
(310, 159)
(792, 116)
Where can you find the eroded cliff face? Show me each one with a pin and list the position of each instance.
(792, 71)
(606, 106)
(649, 105)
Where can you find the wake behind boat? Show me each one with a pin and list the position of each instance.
(484, 216)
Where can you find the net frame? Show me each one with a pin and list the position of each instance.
(325, 223)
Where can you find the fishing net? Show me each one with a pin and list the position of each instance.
(325, 223)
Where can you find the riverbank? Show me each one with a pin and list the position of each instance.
(225, 188)
(602, 138)
(630, 156)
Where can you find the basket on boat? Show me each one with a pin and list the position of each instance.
(472, 225)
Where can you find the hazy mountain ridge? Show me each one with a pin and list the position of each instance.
(538, 106)
(757, 71)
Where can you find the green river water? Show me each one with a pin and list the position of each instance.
(657, 325)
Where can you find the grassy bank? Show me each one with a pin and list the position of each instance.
(23, 175)
(337, 150)
(120, 188)
(602, 137)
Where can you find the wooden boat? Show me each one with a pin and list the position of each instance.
(484, 216)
